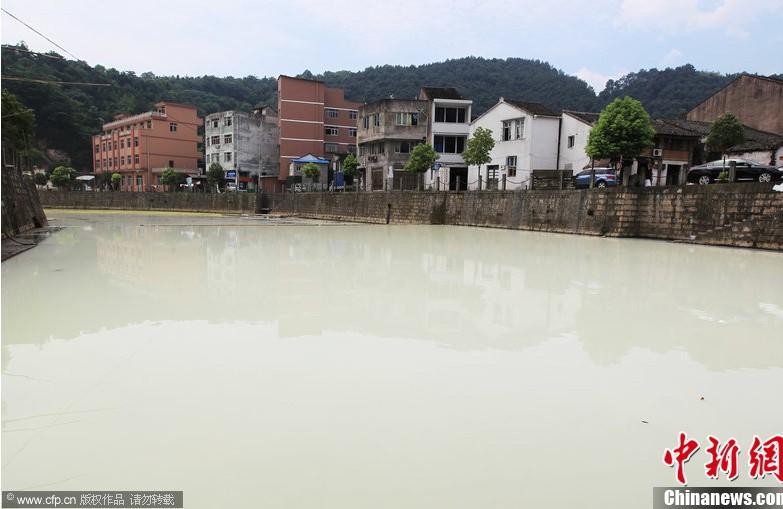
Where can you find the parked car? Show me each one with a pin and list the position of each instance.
(604, 177)
(708, 173)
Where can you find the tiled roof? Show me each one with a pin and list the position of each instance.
(530, 107)
(754, 139)
(585, 116)
(441, 93)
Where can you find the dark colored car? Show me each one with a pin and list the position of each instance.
(708, 173)
(604, 177)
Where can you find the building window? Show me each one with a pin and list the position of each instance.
(129, 159)
(122, 143)
(450, 115)
(449, 144)
(215, 140)
(332, 113)
(136, 141)
(352, 132)
(511, 166)
(331, 131)
(366, 122)
(228, 138)
(215, 123)
(353, 114)
(139, 181)
(571, 141)
(404, 118)
(404, 147)
(115, 162)
(149, 124)
(136, 159)
(227, 157)
(377, 119)
(352, 149)
(115, 145)
(129, 180)
(97, 148)
(173, 127)
(227, 121)
(171, 163)
(513, 129)
(330, 147)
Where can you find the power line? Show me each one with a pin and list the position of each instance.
(14, 48)
(54, 82)
(39, 33)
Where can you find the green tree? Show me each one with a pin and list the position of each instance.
(40, 179)
(725, 132)
(171, 178)
(478, 148)
(422, 158)
(312, 171)
(349, 165)
(18, 123)
(215, 176)
(116, 180)
(623, 130)
(63, 177)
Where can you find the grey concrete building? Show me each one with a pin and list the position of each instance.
(388, 130)
(246, 144)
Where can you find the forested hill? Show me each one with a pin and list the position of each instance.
(668, 92)
(66, 116)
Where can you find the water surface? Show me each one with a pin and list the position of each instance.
(257, 363)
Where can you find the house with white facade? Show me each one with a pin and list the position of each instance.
(526, 138)
(574, 129)
(448, 131)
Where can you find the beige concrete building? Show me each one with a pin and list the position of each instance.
(756, 100)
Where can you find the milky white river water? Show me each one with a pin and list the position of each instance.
(254, 363)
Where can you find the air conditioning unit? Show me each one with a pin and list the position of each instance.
(657, 152)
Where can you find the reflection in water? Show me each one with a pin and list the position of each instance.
(448, 363)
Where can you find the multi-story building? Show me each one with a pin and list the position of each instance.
(388, 131)
(757, 102)
(448, 131)
(140, 147)
(316, 120)
(574, 130)
(246, 146)
(526, 138)
(390, 128)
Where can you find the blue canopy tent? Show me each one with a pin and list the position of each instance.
(310, 158)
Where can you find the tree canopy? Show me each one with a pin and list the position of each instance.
(623, 130)
(422, 158)
(478, 147)
(725, 132)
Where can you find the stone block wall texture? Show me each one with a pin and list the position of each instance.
(224, 203)
(742, 215)
(21, 208)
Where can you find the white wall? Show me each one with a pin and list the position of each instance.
(537, 149)
(574, 156)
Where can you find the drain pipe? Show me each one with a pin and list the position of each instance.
(388, 213)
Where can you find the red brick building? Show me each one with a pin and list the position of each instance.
(314, 119)
(140, 147)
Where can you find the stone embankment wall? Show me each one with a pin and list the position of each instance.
(224, 203)
(22, 210)
(743, 215)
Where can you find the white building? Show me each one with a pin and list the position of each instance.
(574, 130)
(448, 131)
(526, 138)
(245, 145)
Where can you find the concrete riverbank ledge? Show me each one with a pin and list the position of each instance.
(223, 203)
(740, 215)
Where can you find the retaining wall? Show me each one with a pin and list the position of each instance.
(225, 203)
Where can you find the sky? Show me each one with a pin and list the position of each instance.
(595, 40)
